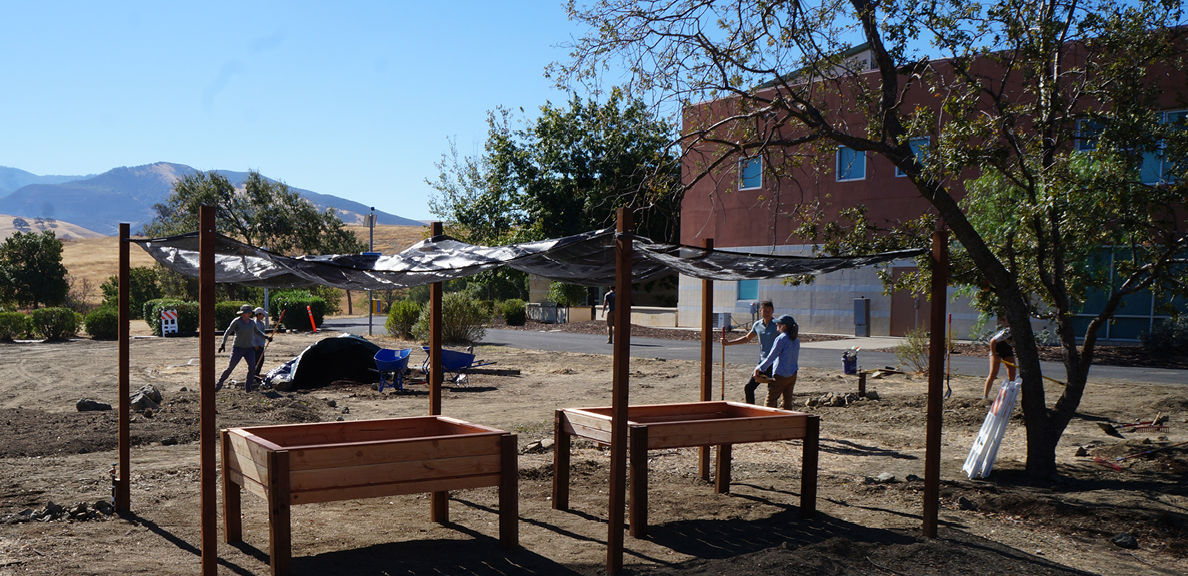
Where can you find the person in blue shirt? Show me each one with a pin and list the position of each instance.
(765, 329)
(783, 359)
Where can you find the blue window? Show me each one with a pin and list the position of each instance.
(851, 164)
(1087, 133)
(748, 290)
(919, 150)
(1157, 167)
(750, 173)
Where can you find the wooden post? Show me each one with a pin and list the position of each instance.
(722, 472)
(123, 484)
(439, 510)
(560, 463)
(619, 391)
(206, 381)
(509, 497)
(936, 380)
(808, 469)
(232, 496)
(280, 528)
(707, 359)
(861, 384)
(638, 507)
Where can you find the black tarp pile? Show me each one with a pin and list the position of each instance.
(347, 357)
(586, 259)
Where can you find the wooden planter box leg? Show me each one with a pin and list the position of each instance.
(637, 514)
(280, 539)
(560, 463)
(722, 474)
(232, 497)
(509, 493)
(808, 476)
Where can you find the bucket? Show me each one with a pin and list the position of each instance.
(850, 362)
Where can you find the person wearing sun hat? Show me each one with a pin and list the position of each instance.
(258, 339)
(784, 360)
(244, 328)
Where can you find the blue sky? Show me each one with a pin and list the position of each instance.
(354, 99)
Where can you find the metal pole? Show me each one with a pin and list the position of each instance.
(206, 379)
(370, 248)
(621, 378)
(122, 499)
(707, 359)
(936, 380)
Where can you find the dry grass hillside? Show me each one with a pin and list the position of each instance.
(93, 260)
(63, 230)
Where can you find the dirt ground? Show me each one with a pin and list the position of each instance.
(1002, 525)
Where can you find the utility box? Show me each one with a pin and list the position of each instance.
(862, 317)
(722, 319)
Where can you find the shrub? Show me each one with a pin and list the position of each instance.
(292, 303)
(566, 294)
(514, 312)
(103, 323)
(225, 312)
(913, 351)
(13, 325)
(55, 323)
(462, 320)
(1168, 336)
(402, 316)
(143, 285)
(187, 314)
(488, 307)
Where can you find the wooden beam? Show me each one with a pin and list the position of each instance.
(280, 525)
(509, 493)
(936, 380)
(439, 505)
(206, 381)
(638, 509)
(560, 462)
(707, 359)
(232, 495)
(621, 371)
(808, 469)
(123, 484)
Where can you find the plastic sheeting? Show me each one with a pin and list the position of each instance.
(586, 259)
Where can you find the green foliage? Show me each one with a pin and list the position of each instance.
(55, 323)
(1168, 336)
(401, 318)
(143, 286)
(332, 297)
(264, 213)
(13, 325)
(31, 270)
(462, 320)
(187, 314)
(566, 172)
(103, 323)
(225, 312)
(418, 294)
(294, 303)
(567, 294)
(514, 312)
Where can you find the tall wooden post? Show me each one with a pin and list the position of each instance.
(439, 510)
(206, 380)
(936, 380)
(621, 371)
(123, 484)
(707, 359)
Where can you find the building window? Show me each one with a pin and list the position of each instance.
(1157, 167)
(1087, 134)
(748, 290)
(750, 173)
(851, 164)
(919, 150)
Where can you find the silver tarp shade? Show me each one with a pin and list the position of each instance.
(586, 259)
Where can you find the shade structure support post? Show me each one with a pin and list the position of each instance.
(707, 359)
(439, 510)
(621, 371)
(122, 495)
(206, 381)
(936, 380)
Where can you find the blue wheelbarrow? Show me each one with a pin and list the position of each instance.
(391, 365)
(456, 363)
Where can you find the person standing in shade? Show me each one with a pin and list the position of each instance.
(1000, 349)
(244, 328)
(783, 359)
(258, 340)
(608, 310)
(765, 328)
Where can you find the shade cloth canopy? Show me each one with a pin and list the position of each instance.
(586, 259)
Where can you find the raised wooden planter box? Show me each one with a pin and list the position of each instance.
(323, 462)
(684, 425)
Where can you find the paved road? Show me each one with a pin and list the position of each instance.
(810, 355)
